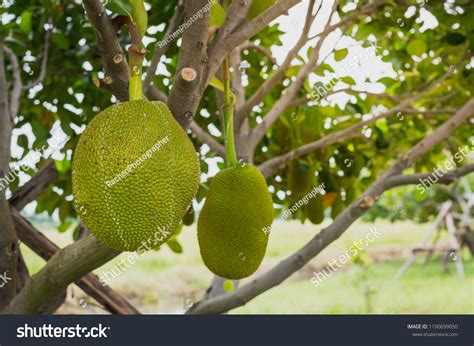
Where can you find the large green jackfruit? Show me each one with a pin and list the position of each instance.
(234, 223)
(134, 175)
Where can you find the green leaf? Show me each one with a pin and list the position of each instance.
(216, 83)
(323, 68)
(348, 80)
(64, 209)
(340, 54)
(63, 227)
(386, 80)
(25, 22)
(420, 195)
(416, 47)
(63, 166)
(121, 7)
(228, 286)
(60, 40)
(217, 15)
(455, 39)
(139, 15)
(23, 141)
(175, 246)
(259, 6)
(354, 108)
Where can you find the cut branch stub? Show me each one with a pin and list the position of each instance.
(367, 202)
(188, 74)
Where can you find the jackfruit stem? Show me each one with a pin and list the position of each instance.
(228, 110)
(136, 53)
(136, 56)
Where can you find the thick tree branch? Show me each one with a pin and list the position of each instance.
(66, 266)
(186, 92)
(33, 188)
(296, 261)
(8, 239)
(412, 179)
(90, 284)
(113, 57)
(43, 247)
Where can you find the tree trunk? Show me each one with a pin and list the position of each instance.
(8, 240)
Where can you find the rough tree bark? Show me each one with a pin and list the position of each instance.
(8, 239)
(64, 267)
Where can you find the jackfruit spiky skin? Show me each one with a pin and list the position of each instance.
(233, 221)
(142, 208)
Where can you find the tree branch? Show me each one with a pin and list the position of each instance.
(219, 48)
(90, 284)
(279, 74)
(161, 50)
(16, 90)
(277, 109)
(8, 239)
(44, 62)
(66, 266)
(186, 92)
(412, 179)
(43, 247)
(33, 188)
(113, 57)
(206, 138)
(271, 166)
(265, 52)
(296, 261)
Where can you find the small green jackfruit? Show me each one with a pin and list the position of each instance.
(233, 224)
(315, 209)
(300, 179)
(337, 207)
(188, 219)
(134, 175)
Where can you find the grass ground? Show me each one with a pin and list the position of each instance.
(161, 282)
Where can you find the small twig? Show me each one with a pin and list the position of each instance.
(44, 62)
(161, 50)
